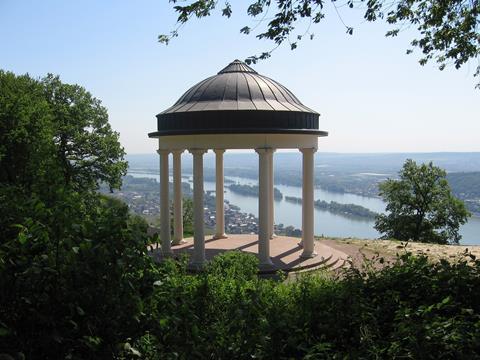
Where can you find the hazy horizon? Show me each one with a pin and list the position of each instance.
(334, 152)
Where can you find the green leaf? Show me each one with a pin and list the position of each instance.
(22, 238)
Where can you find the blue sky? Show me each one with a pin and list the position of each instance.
(371, 96)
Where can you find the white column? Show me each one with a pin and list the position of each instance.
(307, 204)
(177, 198)
(219, 188)
(271, 203)
(263, 208)
(164, 204)
(198, 212)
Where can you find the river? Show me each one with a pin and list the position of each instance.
(326, 223)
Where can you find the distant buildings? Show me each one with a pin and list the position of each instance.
(144, 201)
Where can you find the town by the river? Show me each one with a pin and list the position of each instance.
(326, 223)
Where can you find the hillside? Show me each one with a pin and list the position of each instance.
(465, 185)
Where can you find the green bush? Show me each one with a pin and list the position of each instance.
(412, 308)
(234, 265)
(73, 282)
(107, 299)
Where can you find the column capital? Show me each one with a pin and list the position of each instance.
(177, 151)
(308, 150)
(219, 151)
(264, 150)
(163, 152)
(197, 151)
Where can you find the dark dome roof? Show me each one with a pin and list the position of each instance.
(237, 100)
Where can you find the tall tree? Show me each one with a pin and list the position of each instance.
(54, 137)
(448, 30)
(420, 206)
(51, 130)
(26, 131)
(87, 148)
(73, 264)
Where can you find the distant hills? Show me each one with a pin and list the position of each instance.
(383, 163)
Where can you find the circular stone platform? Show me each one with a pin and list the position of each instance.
(285, 252)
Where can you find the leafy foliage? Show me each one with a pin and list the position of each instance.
(83, 138)
(187, 217)
(55, 138)
(73, 280)
(411, 308)
(73, 268)
(26, 145)
(76, 281)
(420, 206)
(448, 30)
(55, 134)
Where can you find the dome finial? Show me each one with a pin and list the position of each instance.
(237, 66)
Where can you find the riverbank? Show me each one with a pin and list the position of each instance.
(327, 223)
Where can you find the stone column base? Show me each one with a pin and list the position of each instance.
(308, 255)
(218, 237)
(180, 242)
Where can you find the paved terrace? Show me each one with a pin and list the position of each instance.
(284, 251)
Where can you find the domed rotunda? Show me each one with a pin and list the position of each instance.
(235, 109)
